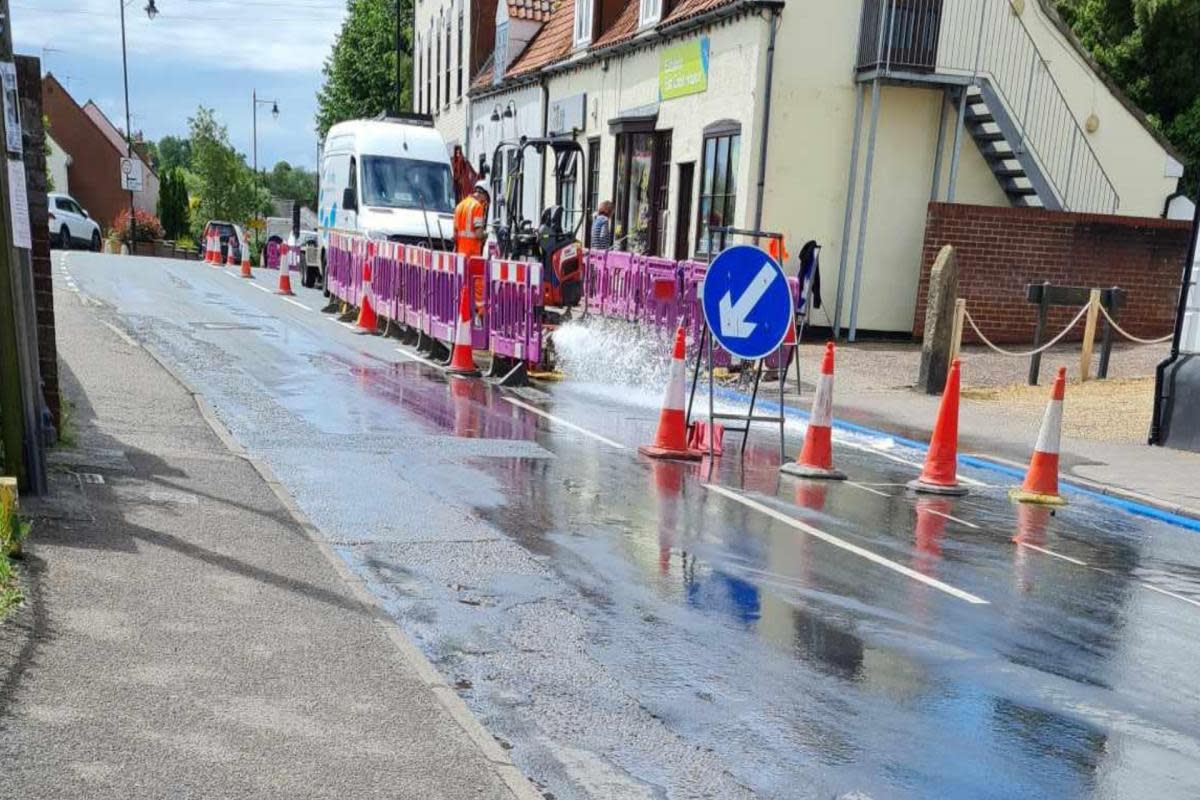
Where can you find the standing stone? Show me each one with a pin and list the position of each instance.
(939, 322)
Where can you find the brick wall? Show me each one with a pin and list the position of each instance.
(29, 87)
(1000, 250)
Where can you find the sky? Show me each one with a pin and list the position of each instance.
(195, 52)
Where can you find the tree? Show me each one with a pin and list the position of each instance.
(360, 72)
(174, 152)
(173, 204)
(224, 183)
(292, 183)
(1149, 48)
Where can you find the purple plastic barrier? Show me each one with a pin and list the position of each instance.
(515, 326)
(271, 260)
(622, 285)
(447, 272)
(415, 261)
(595, 279)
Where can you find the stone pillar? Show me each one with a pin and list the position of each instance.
(939, 322)
(29, 87)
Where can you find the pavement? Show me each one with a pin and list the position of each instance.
(189, 635)
(628, 628)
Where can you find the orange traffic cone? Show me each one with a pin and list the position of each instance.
(671, 440)
(461, 361)
(209, 254)
(285, 272)
(367, 322)
(246, 273)
(816, 458)
(231, 260)
(1041, 482)
(940, 475)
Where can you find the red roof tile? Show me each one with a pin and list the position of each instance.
(551, 43)
(538, 10)
(624, 28)
(690, 8)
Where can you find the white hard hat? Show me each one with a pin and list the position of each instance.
(483, 186)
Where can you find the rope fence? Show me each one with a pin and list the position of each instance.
(1130, 336)
(1027, 353)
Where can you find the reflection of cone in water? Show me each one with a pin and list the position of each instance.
(671, 440)
(811, 495)
(931, 524)
(466, 418)
(1041, 482)
(462, 362)
(1032, 521)
(816, 457)
(940, 475)
(668, 487)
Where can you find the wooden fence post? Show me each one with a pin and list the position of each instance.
(1089, 335)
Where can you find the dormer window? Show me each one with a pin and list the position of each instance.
(584, 11)
(650, 13)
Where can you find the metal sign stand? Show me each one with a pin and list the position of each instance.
(706, 342)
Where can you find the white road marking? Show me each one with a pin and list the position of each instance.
(829, 538)
(564, 423)
(1154, 588)
(952, 518)
(424, 361)
(1086, 565)
(296, 303)
(261, 288)
(120, 333)
(866, 488)
(875, 450)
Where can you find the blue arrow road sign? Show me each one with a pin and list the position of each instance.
(747, 302)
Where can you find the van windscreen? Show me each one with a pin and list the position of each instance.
(390, 182)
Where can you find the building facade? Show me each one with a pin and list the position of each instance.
(95, 149)
(834, 122)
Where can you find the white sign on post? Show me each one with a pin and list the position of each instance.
(18, 204)
(12, 107)
(131, 174)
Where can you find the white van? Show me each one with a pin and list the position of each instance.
(387, 178)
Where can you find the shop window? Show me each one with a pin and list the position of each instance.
(568, 183)
(592, 202)
(584, 9)
(651, 12)
(642, 170)
(718, 185)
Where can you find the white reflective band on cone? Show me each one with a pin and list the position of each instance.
(1051, 433)
(675, 387)
(822, 412)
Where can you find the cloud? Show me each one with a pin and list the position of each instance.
(256, 35)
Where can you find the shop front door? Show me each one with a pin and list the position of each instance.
(642, 188)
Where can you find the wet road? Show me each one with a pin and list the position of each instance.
(637, 629)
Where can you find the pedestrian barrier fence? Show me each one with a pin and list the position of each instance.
(420, 289)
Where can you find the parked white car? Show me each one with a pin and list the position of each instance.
(70, 224)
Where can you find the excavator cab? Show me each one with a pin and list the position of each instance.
(559, 250)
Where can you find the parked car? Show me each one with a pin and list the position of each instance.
(70, 224)
(231, 236)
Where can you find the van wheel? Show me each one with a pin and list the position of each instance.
(64, 238)
(95, 241)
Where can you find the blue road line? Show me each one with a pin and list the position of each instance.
(1131, 506)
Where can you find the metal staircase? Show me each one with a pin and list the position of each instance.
(1015, 110)
(1000, 143)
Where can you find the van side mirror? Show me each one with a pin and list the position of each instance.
(85, 214)
(349, 200)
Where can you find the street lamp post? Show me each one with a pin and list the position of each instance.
(151, 12)
(274, 104)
